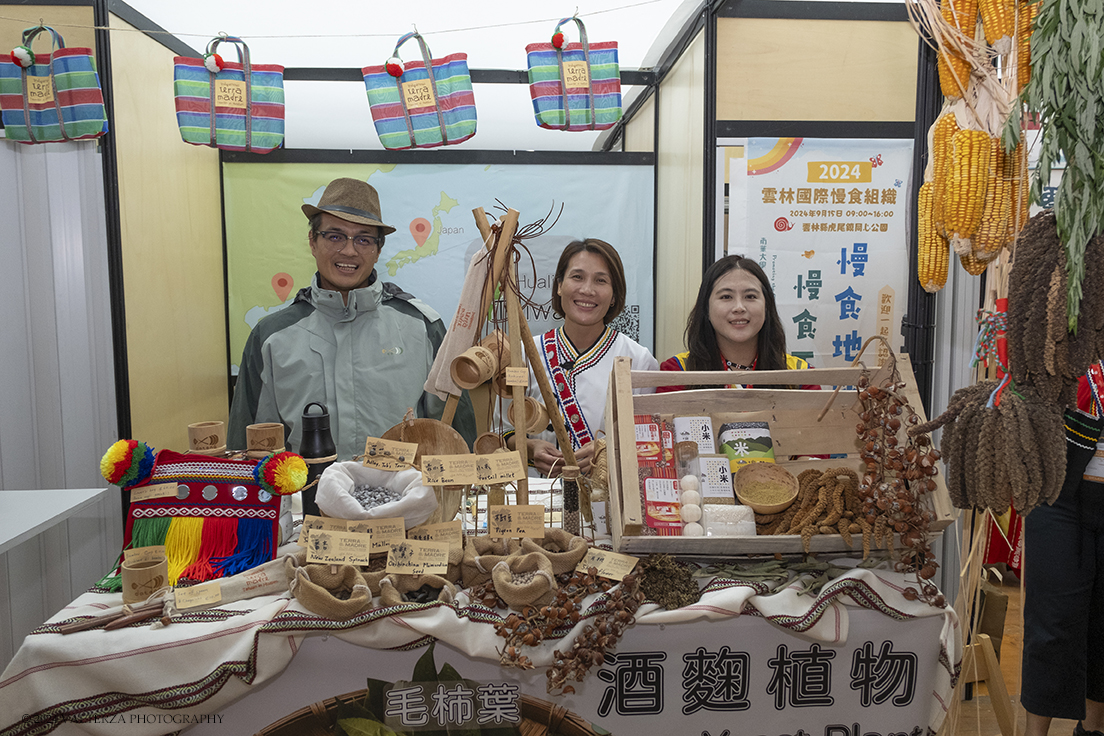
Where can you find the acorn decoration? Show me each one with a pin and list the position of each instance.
(394, 67)
(22, 56)
(214, 63)
(127, 463)
(281, 474)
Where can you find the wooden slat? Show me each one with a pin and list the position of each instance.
(632, 515)
(822, 376)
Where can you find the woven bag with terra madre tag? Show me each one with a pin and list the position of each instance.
(235, 106)
(424, 103)
(50, 97)
(575, 86)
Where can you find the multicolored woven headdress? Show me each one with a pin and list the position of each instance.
(215, 516)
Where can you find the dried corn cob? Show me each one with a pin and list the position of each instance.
(933, 252)
(998, 19)
(992, 232)
(962, 14)
(967, 177)
(973, 265)
(1025, 24)
(954, 72)
(943, 130)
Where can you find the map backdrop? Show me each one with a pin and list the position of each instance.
(827, 221)
(269, 260)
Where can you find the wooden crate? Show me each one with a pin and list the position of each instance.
(795, 430)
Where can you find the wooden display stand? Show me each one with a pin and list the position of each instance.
(795, 430)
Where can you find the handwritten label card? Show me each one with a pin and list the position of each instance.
(388, 454)
(139, 555)
(205, 594)
(517, 376)
(499, 467)
(449, 470)
(40, 90)
(575, 74)
(230, 93)
(309, 522)
(516, 521)
(412, 557)
(610, 565)
(385, 532)
(448, 532)
(418, 93)
(157, 490)
(338, 548)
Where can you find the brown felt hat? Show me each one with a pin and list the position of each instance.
(353, 200)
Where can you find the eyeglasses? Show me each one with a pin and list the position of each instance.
(336, 240)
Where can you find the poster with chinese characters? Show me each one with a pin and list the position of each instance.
(827, 221)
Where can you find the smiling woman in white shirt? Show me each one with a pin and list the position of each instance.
(588, 294)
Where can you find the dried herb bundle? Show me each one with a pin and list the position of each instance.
(668, 582)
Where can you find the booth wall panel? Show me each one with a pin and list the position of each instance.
(171, 221)
(57, 399)
(679, 202)
(63, 18)
(639, 132)
(804, 69)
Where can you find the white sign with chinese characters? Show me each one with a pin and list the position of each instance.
(827, 220)
(741, 674)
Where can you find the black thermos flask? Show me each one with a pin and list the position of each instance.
(318, 450)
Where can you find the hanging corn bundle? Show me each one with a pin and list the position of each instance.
(977, 195)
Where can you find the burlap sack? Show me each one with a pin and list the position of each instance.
(525, 580)
(563, 549)
(481, 554)
(456, 559)
(394, 588)
(374, 572)
(333, 591)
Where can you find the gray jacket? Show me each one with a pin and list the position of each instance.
(365, 361)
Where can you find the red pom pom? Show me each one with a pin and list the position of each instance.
(558, 40)
(394, 67)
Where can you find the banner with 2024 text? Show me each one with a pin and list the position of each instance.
(827, 221)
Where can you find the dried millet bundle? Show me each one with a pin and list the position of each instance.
(1010, 456)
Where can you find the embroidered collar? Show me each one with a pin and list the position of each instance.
(575, 362)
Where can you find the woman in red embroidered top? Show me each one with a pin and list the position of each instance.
(589, 293)
(734, 324)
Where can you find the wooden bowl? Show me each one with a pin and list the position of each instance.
(434, 437)
(752, 477)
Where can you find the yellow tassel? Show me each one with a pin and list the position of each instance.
(182, 545)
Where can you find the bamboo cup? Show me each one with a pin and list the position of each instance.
(499, 344)
(473, 367)
(534, 412)
(143, 579)
(207, 438)
(264, 439)
(498, 385)
(487, 443)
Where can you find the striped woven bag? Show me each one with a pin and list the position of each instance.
(415, 109)
(247, 100)
(57, 97)
(589, 74)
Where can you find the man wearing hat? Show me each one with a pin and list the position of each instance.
(358, 345)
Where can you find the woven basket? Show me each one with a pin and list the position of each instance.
(538, 718)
